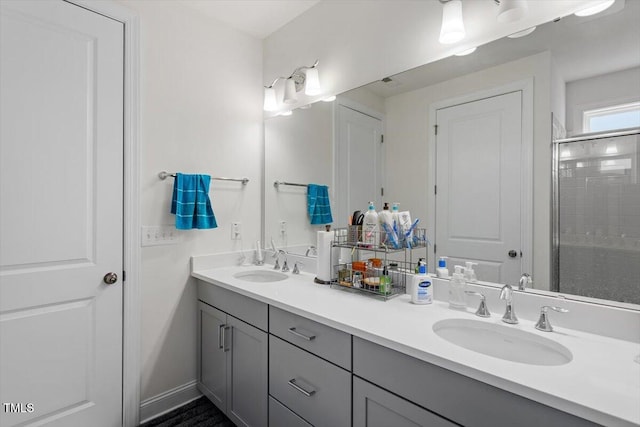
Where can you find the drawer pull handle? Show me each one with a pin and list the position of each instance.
(292, 383)
(298, 334)
(221, 336)
(224, 339)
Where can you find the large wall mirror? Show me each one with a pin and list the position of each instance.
(549, 84)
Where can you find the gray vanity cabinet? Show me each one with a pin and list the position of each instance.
(232, 358)
(375, 407)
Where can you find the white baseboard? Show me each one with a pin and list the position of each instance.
(167, 401)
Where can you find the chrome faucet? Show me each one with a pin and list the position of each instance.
(285, 267)
(524, 282)
(311, 249)
(482, 310)
(509, 315)
(543, 322)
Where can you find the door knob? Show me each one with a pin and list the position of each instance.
(513, 254)
(110, 278)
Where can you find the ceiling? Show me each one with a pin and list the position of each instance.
(258, 18)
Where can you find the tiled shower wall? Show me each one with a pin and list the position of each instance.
(599, 210)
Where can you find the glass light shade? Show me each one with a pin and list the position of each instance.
(452, 25)
(290, 95)
(595, 6)
(312, 83)
(512, 10)
(270, 102)
(286, 113)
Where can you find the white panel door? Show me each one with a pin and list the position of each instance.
(358, 163)
(478, 179)
(61, 116)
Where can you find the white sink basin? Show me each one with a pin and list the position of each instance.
(262, 276)
(503, 342)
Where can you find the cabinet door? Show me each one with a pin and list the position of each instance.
(247, 375)
(212, 375)
(375, 407)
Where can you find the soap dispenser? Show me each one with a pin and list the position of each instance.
(457, 289)
(421, 291)
(442, 271)
(469, 274)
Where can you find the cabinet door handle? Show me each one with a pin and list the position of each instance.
(292, 383)
(221, 336)
(224, 339)
(303, 336)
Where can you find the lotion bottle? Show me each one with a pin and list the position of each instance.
(421, 289)
(457, 288)
(385, 217)
(442, 271)
(371, 227)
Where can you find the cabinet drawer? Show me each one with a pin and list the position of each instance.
(244, 308)
(281, 416)
(454, 396)
(324, 341)
(375, 407)
(311, 387)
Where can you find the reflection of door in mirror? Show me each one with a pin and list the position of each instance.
(359, 163)
(478, 171)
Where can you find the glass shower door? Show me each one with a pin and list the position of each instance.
(598, 217)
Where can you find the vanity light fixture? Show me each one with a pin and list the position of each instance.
(511, 10)
(302, 77)
(611, 149)
(595, 6)
(452, 29)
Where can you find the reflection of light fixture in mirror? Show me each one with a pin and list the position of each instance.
(522, 33)
(511, 10)
(290, 95)
(611, 149)
(270, 102)
(302, 77)
(595, 6)
(452, 29)
(565, 153)
(329, 98)
(466, 52)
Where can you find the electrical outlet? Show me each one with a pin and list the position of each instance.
(159, 235)
(236, 231)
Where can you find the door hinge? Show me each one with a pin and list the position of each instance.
(124, 276)
(435, 189)
(435, 248)
(520, 254)
(381, 139)
(382, 191)
(435, 128)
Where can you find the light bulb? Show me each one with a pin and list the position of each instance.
(452, 25)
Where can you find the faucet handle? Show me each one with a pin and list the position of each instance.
(482, 310)
(295, 268)
(276, 266)
(524, 282)
(543, 322)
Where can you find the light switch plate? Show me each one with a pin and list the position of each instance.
(159, 235)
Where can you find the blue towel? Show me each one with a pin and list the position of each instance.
(318, 204)
(191, 203)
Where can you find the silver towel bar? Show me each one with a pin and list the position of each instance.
(278, 183)
(164, 174)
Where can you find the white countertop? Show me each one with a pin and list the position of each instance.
(601, 383)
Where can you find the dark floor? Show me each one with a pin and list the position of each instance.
(199, 413)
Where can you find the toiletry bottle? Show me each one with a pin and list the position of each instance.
(421, 290)
(421, 261)
(442, 271)
(371, 227)
(385, 217)
(385, 282)
(395, 218)
(469, 274)
(457, 288)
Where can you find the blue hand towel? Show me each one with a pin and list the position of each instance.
(191, 203)
(318, 204)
